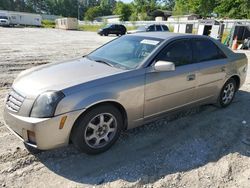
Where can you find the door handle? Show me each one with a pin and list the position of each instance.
(191, 77)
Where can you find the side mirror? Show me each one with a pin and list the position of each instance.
(160, 66)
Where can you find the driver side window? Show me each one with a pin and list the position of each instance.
(178, 52)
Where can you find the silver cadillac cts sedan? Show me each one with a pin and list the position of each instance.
(121, 85)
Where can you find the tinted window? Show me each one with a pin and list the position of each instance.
(158, 28)
(165, 28)
(151, 28)
(179, 52)
(206, 50)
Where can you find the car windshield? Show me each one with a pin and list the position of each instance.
(4, 17)
(126, 52)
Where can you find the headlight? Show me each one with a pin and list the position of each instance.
(46, 103)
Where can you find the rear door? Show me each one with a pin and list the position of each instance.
(212, 68)
(165, 91)
(112, 29)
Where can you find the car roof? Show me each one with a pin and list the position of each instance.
(167, 35)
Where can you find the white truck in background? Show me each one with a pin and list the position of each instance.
(4, 20)
(20, 18)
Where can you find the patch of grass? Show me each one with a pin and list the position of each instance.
(225, 34)
(131, 28)
(48, 24)
(95, 28)
(171, 28)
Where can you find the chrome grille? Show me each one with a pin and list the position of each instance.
(14, 101)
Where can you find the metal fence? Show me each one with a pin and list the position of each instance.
(228, 23)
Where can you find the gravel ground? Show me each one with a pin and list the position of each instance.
(202, 147)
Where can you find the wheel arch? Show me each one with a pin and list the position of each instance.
(95, 105)
(237, 80)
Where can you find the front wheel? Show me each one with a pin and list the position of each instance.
(227, 93)
(97, 130)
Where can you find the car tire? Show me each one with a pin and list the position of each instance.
(106, 34)
(97, 130)
(227, 93)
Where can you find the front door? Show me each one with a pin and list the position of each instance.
(165, 91)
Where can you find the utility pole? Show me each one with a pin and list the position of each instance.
(78, 9)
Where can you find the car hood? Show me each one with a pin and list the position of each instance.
(59, 76)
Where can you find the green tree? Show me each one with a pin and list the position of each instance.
(168, 4)
(124, 10)
(181, 7)
(238, 9)
(93, 12)
(201, 7)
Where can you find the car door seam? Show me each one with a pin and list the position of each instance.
(170, 93)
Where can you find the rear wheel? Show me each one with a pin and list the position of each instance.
(97, 130)
(227, 93)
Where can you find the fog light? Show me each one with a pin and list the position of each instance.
(31, 137)
(63, 120)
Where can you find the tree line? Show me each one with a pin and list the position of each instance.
(136, 10)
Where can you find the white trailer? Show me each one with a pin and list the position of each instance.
(22, 18)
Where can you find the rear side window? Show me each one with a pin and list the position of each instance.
(206, 50)
(178, 52)
(165, 28)
(158, 28)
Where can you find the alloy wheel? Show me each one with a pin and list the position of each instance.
(228, 93)
(100, 130)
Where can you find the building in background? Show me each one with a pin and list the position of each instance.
(184, 18)
(22, 18)
(67, 23)
(109, 19)
(160, 15)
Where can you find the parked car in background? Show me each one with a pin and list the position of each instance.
(127, 82)
(4, 21)
(150, 28)
(117, 29)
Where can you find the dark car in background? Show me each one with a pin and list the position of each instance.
(150, 28)
(116, 29)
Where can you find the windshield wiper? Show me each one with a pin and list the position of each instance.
(104, 62)
(100, 61)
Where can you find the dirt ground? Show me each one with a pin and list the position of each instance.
(203, 147)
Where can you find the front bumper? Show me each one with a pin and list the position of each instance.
(48, 135)
(100, 32)
(4, 24)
